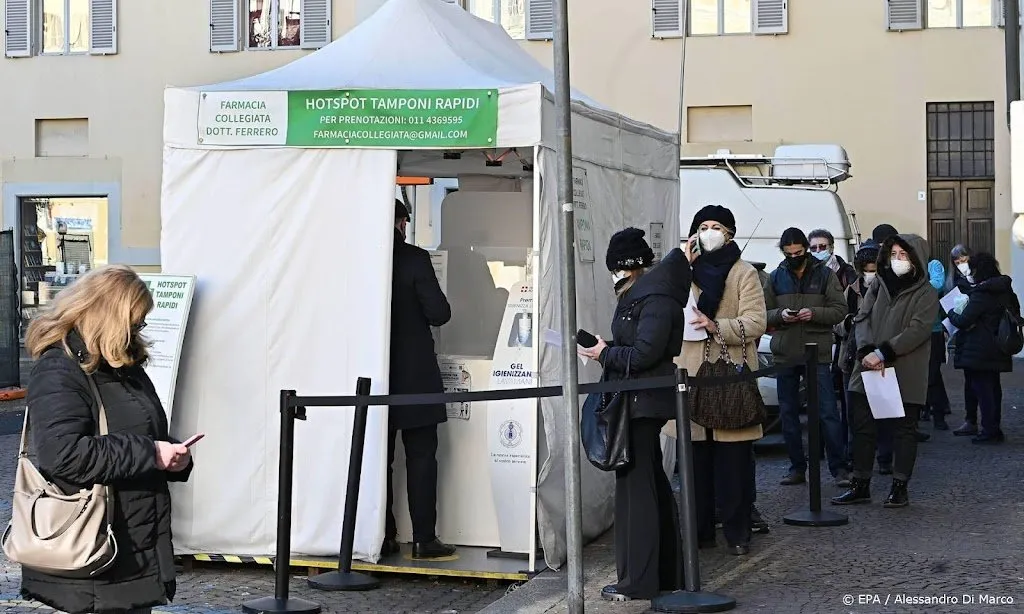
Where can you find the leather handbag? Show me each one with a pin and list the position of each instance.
(735, 405)
(57, 534)
(604, 428)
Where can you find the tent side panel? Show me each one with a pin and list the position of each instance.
(181, 112)
(631, 180)
(294, 293)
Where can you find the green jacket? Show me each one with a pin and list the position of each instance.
(898, 325)
(818, 290)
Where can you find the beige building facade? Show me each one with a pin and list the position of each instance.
(893, 81)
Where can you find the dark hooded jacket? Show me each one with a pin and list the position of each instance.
(647, 333)
(974, 345)
(62, 415)
(896, 318)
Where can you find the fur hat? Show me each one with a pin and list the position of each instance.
(628, 251)
(717, 213)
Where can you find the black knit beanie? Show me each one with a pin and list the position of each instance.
(717, 213)
(627, 251)
(883, 232)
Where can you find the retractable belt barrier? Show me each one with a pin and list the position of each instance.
(293, 407)
(626, 385)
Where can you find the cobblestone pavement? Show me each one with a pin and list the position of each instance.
(962, 535)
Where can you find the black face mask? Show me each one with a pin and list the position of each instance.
(795, 262)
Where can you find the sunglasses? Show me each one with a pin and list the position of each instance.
(818, 248)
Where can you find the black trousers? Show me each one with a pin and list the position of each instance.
(988, 391)
(938, 400)
(865, 438)
(723, 473)
(971, 399)
(421, 482)
(647, 543)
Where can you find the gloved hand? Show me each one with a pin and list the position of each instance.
(936, 274)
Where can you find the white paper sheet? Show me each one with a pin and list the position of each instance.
(949, 327)
(949, 301)
(690, 313)
(553, 337)
(883, 392)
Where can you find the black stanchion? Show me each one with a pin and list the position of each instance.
(281, 603)
(814, 517)
(691, 599)
(345, 579)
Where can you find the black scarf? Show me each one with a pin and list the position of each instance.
(709, 272)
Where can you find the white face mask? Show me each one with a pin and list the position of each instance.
(964, 268)
(712, 239)
(618, 276)
(869, 277)
(823, 255)
(901, 267)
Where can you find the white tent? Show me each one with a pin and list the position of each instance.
(291, 246)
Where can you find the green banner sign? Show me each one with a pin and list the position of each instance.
(390, 119)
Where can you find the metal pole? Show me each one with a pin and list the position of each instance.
(280, 603)
(691, 599)
(1011, 32)
(814, 517)
(344, 579)
(684, 23)
(567, 279)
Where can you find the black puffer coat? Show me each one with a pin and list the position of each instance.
(647, 333)
(974, 346)
(68, 452)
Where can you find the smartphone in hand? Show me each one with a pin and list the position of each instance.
(585, 339)
(188, 443)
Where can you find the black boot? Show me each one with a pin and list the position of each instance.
(859, 492)
(897, 495)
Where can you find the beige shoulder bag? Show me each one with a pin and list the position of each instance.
(60, 535)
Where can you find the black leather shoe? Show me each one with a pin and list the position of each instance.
(611, 593)
(898, 496)
(922, 437)
(739, 550)
(986, 439)
(859, 492)
(432, 550)
(940, 424)
(390, 547)
(794, 478)
(757, 522)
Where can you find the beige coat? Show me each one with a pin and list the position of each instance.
(743, 300)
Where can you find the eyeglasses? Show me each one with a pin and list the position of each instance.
(819, 247)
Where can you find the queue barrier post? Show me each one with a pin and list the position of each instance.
(814, 516)
(345, 579)
(691, 598)
(281, 603)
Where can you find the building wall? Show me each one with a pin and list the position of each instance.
(838, 76)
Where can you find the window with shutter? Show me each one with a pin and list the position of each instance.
(316, 23)
(102, 27)
(225, 22)
(666, 18)
(17, 28)
(540, 19)
(904, 15)
(771, 16)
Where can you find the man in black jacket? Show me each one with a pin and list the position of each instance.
(417, 303)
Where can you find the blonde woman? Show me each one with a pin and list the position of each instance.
(93, 329)
(730, 307)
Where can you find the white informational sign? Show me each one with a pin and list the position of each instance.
(165, 330)
(657, 242)
(512, 425)
(439, 259)
(581, 211)
(456, 378)
(243, 118)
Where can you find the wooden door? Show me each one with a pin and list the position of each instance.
(961, 212)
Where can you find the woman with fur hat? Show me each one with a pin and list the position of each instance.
(647, 332)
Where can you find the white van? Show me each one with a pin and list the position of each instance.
(797, 186)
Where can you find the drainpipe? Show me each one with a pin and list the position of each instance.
(1011, 31)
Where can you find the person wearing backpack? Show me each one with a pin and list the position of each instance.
(979, 348)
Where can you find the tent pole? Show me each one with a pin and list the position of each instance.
(684, 23)
(567, 278)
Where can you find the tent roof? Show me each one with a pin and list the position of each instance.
(411, 44)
